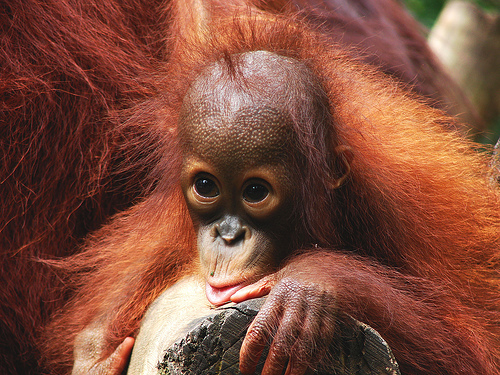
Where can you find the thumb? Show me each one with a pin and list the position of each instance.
(255, 290)
(117, 362)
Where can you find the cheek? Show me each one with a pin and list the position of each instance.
(282, 228)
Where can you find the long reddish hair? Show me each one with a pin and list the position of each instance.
(417, 212)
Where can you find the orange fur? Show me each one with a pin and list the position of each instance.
(77, 149)
(416, 227)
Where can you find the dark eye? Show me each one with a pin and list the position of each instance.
(206, 187)
(254, 193)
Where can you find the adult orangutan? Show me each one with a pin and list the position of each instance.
(70, 69)
(298, 172)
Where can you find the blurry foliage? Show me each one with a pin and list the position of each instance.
(426, 11)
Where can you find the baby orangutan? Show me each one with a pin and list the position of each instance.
(240, 178)
(320, 184)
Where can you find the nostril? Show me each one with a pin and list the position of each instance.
(231, 230)
(234, 237)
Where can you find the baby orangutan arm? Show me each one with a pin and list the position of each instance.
(300, 317)
(305, 297)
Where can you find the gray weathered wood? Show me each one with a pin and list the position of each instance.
(213, 345)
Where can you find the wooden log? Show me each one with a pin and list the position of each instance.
(181, 334)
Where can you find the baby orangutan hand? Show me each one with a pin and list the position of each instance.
(298, 316)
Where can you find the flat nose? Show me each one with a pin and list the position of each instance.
(231, 229)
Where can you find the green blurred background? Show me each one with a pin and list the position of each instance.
(426, 11)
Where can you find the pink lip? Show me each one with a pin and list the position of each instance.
(219, 296)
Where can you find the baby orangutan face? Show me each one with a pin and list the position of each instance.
(236, 181)
(237, 174)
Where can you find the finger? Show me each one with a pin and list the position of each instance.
(253, 345)
(303, 353)
(118, 361)
(255, 290)
(276, 359)
(295, 368)
(275, 363)
(285, 338)
(258, 336)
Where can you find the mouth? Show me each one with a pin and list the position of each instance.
(219, 296)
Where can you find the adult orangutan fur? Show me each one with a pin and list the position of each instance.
(407, 243)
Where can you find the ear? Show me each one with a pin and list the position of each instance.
(341, 165)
